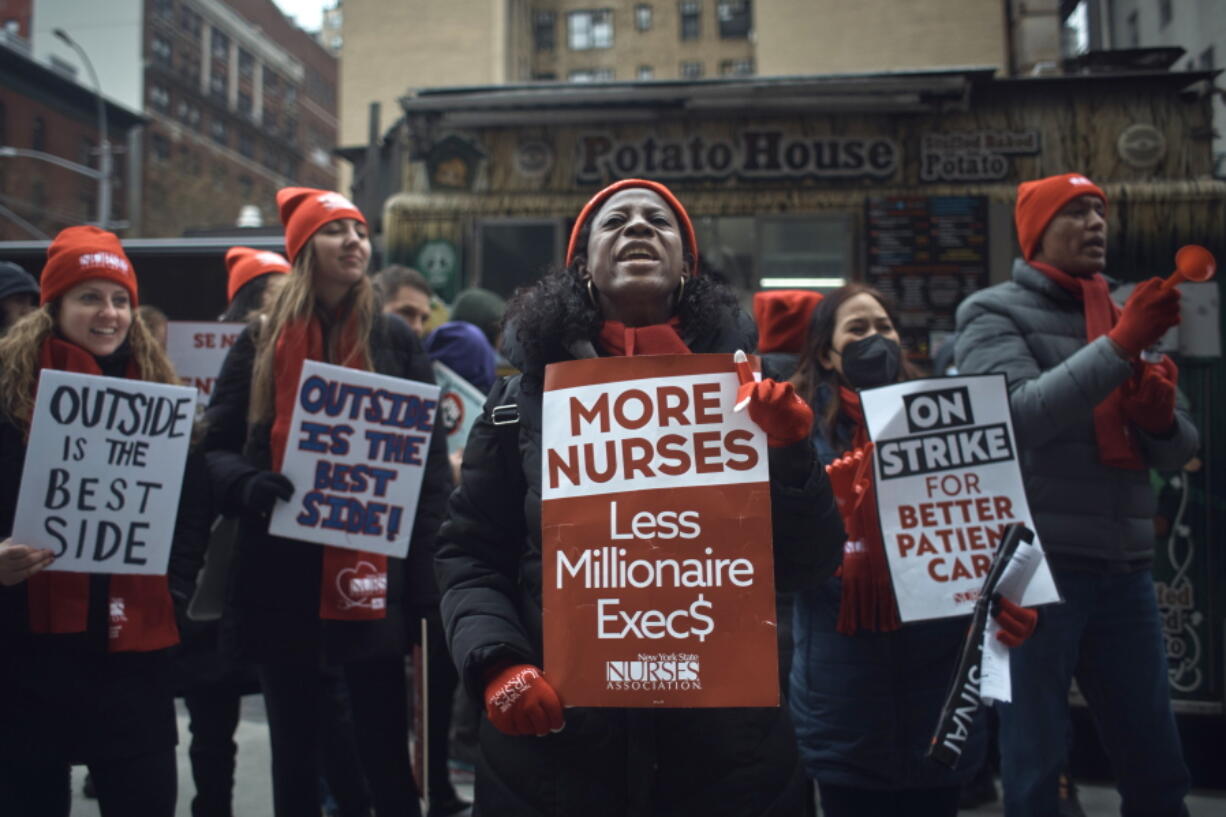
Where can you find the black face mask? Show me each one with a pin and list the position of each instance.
(872, 361)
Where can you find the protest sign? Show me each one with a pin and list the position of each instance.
(356, 454)
(948, 484)
(197, 349)
(460, 404)
(656, 536)
(103, 471)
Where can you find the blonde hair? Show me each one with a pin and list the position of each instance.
(21, 348)
(296, 301)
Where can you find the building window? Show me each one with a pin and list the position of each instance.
(159, 97)
(591, 75)
(4, 125)
(217, 85)
(691, 69)
(245, 145)
(189, 22)
(1165, 13)
(246, 63)
(161, 49)
(589, 29)
(270, 119)
(691, 19)
(164, 8)
(87, 153)
(735, 19)
(159, 147)
(543, 31)
(1134, 31)
(217, 129)
(221, 46)
(245, 106)
(38, 137)
(736, 68)
(646, 72)
(642, 17)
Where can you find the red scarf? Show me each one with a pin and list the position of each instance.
(617, 339)
(1116, 448)
(300, 341)
(142, 615)
(867, 601)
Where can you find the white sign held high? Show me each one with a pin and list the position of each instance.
(948, 485)
(356, 454)
(103, 471)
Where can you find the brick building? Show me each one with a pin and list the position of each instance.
(239, 102)
(43, 110)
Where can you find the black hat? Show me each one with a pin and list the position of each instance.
(14, 280)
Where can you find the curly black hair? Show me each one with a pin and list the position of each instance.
(556, 311)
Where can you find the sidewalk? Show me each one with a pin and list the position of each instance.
(253, 787)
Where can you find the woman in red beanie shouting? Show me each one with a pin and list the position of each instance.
(80, 682)
(630, 287)
(283, 611)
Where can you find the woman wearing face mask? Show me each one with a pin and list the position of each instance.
(866, 692)
(86, 674)
(285, 610)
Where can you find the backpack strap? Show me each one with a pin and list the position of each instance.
(502, 411)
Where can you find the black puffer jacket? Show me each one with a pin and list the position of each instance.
(272, 596)
(736, 762)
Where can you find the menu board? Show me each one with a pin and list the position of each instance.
(927, 253)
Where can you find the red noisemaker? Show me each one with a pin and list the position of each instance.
(1192, 263)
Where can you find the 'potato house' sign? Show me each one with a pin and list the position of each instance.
(755, 154)
(656, 536)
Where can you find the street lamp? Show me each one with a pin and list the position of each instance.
(104, 146)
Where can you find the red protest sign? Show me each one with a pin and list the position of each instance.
(656, 536)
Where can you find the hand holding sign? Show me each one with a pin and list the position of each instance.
(774, 406)
(519, 701)
(20, 562)
(258, 492)
(1017, 623)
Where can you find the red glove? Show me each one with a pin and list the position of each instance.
(1149, 312)
(1016, 623)
(775, 407)
(1149, 400)
(519, 701)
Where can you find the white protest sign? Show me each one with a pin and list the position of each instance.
(995, 682)
(948, 484)
(460, 404)
(356, 454)
(198, 348)
(103, 472)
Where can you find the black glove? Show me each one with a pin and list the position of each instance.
(257, 492)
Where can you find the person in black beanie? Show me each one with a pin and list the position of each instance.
(18, 294)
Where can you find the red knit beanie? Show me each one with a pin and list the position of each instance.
(1039, 201)
(246, 264)
(80, 254)
(593, 205)
(305, 209)
(782, 316)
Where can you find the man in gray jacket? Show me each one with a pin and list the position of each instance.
(1091, 418)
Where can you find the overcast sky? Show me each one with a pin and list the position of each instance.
(308, 13)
